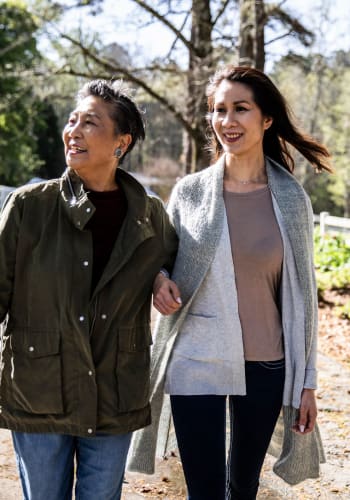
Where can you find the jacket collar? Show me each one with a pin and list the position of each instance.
(136, 228)
(80, 209)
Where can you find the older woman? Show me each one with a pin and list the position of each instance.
(78, 257)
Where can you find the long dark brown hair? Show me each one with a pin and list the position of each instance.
(272, 104)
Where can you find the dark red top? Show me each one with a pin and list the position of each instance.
(105, 224)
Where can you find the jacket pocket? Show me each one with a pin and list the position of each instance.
(133, 368)
(32, 378)
(198, 338)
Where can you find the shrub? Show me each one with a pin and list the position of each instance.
(332, 262)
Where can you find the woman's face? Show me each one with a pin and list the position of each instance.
(90, 139)
(237, 120)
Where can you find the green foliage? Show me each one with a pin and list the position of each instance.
(331, 251)
(17, 54)
(332, 261)
(344, 311)
(30, 141)
(321, 102)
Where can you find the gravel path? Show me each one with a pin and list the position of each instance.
(334, 420)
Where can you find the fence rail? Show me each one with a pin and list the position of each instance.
(331, 224)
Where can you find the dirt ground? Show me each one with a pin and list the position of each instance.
(334, 420)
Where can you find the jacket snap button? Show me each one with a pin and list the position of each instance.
(104, 316)
(88, 209)
(31, 348)
(90, 431)
(81, 318)
(139, 222)
(86, 263)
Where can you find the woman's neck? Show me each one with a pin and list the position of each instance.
(98, 183)
(244, 174)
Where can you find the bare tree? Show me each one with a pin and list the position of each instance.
(200, 66)
(200, 21)
(255, 16)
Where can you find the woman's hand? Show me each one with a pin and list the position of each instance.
(166, 295)
(307, 413)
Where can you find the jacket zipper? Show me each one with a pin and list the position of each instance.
(94, 317)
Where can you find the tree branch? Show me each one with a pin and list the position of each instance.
(221, 11)
(176, 39)
(115, 68)
(165, 21)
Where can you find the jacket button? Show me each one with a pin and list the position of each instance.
(139, 222)
(81, 318)
(88, 209)
(147, 219)
(90, 373)
(31, 348)
(89, 431)
(86, 263)
(103, 316)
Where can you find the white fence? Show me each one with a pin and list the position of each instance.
(330, 224)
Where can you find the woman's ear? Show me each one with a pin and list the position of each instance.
(267, 122)
(124, 142)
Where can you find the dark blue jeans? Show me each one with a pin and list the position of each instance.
(200, 426)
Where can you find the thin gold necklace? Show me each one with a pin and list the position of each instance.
(247, 181)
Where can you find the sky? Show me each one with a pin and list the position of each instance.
(333, 35)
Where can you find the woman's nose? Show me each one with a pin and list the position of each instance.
(229, 118)
(74, 129)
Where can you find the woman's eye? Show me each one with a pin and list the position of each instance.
(241, 109)
(220, 110)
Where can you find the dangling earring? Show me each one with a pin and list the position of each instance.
(118, 153)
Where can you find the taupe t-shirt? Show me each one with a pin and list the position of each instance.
(257, 251)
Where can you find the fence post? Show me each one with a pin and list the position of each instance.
(323, 216)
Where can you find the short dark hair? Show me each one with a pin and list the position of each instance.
(124, 112)
(272, 105)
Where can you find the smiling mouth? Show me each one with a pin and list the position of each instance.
(76, 149)
(232, 136)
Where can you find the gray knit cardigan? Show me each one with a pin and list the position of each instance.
(197, 210)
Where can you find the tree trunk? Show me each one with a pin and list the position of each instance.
(200, 67)
(260, 21)
(251, 33)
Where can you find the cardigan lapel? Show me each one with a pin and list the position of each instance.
(205, 221)
(291, 201)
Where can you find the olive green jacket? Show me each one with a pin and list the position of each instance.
(72, 362)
